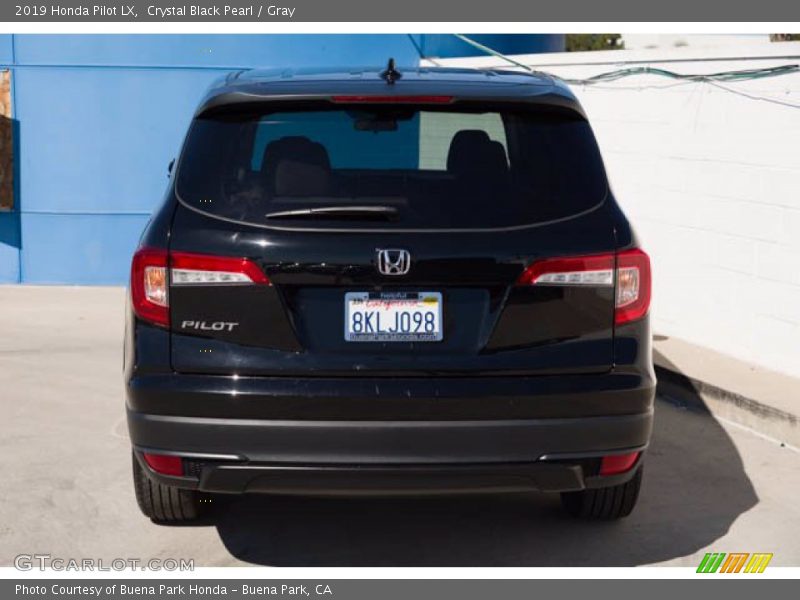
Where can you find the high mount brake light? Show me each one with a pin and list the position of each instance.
(392, 99)
(150, 285)
(629, 270)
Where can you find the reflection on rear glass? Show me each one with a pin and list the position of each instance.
(423, 168)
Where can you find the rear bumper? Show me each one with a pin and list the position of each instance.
(364, 398)
(372, 435)
(330, 480)
(234, 455)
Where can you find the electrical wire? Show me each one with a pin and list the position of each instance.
(713, 79)
(753, 96)
(493, 52)
(742, 75)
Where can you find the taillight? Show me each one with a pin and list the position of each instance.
(633, 286)
(149, 289)
(630, 269)
(595, 270)
(618, 463)
(150, 284)
(164, 464)
(202, 269)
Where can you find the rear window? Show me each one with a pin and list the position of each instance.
(391, 167)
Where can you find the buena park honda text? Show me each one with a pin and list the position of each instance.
(375, 282)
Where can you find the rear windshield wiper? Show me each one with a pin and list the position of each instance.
(335, 212)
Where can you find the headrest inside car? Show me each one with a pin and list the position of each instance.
(293, 178)
(472, 153)
(303, 157)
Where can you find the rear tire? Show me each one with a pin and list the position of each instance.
(607, 504)
(163, 503)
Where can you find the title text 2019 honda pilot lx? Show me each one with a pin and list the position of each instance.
(368, 282)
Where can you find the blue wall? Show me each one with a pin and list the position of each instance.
(98, 118)
(446, 46)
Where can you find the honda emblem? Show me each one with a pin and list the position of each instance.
(392, 261)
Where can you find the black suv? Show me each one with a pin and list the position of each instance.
(373, 282)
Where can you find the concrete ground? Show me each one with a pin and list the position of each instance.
(737, 391)
(66, 489)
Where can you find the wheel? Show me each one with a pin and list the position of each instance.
(162, 503)
(608, 503)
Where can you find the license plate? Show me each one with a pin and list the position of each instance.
(393, 317)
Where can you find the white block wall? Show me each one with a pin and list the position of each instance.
(711, 181)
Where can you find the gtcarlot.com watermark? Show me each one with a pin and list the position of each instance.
(42, 562)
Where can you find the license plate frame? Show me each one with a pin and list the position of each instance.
(388, 304)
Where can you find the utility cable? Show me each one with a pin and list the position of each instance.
(713, 79)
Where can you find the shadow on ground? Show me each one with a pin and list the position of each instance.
(694, 489)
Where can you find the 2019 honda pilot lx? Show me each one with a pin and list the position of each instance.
(375, 282)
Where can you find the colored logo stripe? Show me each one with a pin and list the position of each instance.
(758, 562)
(734, 562)
(711, 562)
